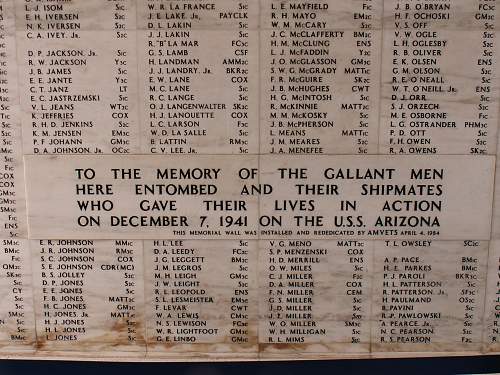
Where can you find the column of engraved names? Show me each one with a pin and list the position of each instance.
(320, 67)
(315, 295)
(440, 85)
(429, 294)
(201, 295)
(491, 325)
(90, 296)
(16, 311)
(198, 87)
(77, 62)
(123, 136)
(491, 335)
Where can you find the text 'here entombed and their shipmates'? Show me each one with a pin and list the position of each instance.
(253, 179)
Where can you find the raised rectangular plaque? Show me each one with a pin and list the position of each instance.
(247, 180)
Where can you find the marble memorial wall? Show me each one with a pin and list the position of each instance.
(252, 179)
